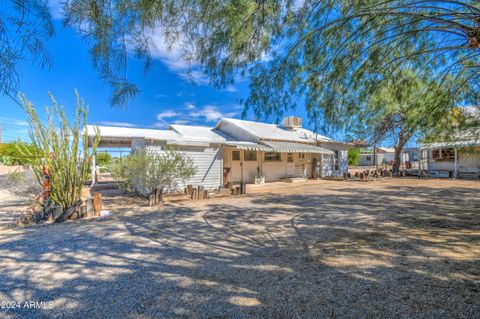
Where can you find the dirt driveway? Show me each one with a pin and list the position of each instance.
(387, 249)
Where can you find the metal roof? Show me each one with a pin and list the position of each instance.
(273, 131)
(200, 133)
(129, 132)
(449, 144)
(464, 138)
(289, 147)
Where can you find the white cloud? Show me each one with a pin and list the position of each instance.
(166, 114)
(182, 122)
(13, 122)
(211, 113)
(230, 88)
(172, 54)
(190, 114)
(161, 124)
(121, 124)
(189, 106)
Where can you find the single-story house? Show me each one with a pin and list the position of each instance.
(378, 156)
(458, 156)
(239, 151)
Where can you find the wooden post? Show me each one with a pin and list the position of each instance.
(97, 203)
(455, 174)
(189, 189)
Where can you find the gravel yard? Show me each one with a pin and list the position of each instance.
(403, 248)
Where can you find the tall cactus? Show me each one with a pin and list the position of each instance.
(61, 145)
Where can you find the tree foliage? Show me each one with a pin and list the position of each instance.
(18, 153)
(146, 171)
(25, 26)
(353, 156)
(103, 159)
(330, 53)
(403, 105)
(61, 146)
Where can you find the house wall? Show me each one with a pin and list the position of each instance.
(208, 161)
(468, 162)
(330, 160)
(273, 170)
(366, 160)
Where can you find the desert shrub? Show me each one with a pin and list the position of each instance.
(61, 146)
(145, 171)
(24, 183)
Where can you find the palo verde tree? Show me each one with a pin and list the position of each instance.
(62, 147)
(147, 171)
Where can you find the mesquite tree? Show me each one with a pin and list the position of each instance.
(330, 53)
(62, 147)
(25, 28)
(403, 106)
(146, 171)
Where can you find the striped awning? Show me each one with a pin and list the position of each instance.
(248, 146)
(289, 147)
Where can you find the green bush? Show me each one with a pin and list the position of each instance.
(146, 171)
(353, 156)
(103, 159)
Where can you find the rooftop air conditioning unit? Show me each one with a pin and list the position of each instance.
(292, 122)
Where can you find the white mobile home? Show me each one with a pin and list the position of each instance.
(457, 157)
(240, 151)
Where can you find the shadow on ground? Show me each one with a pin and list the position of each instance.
(352, 253)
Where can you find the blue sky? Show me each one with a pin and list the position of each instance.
(169, 93)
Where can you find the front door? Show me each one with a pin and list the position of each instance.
(290, 165)
(236, 167)
(300, 165)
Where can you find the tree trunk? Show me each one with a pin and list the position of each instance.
(403, 138)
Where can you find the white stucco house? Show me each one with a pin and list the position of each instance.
(239, 151)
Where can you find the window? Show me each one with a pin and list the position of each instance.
(235, 155)
(301, 156)
(443, 154)
(289, 157)
(270, 157)
(337, 159)
(250, 155)
(369, 158)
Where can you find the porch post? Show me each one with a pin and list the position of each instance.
(456, 161)
(94, 170)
